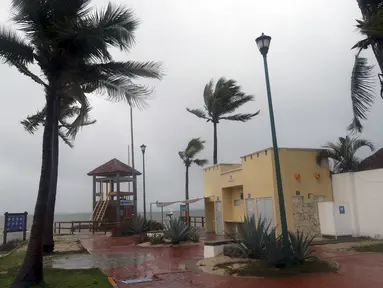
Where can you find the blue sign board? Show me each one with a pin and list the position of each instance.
(183, 208)
(16, 223)
(341, 210)
(126, 202)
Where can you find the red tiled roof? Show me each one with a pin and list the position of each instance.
(375, 161)
(113, 167)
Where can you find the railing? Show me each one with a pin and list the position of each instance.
(197, 221)
(77, 226)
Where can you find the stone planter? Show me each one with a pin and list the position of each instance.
(151, 234)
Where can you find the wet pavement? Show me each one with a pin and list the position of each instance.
(99, 260)
(171, 267)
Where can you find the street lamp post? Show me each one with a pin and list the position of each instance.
(263, 43)
(143, 148)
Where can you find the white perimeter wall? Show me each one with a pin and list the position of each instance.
(363, 192)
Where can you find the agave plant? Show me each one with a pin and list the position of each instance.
(252, 236)
(300, 246)
(135, 226)
(194, 235)
(274, 253)
(176, 230)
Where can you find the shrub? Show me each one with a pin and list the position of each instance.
(155, 225)
(194, 235)
(135, 226)
(300, 246)
(176, 231)
(233, 251)
(156, 238)
(274, 253)
(252, 236)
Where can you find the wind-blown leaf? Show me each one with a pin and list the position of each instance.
(362, 92)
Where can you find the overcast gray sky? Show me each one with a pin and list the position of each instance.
(310, 64)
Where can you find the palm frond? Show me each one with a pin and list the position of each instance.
(194, 146)
(182, 155)
(13, 49)
(198, 112)
(201, 162)
(131, 69)
(208, 93)
(234, 101)
(240, 117)
(362, 92)
(33, 122)
(67, 140)
(359, 143)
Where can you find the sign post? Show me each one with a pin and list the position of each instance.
(15, 222)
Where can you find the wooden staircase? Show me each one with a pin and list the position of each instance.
(99, 212)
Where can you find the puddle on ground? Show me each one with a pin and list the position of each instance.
(99, 260)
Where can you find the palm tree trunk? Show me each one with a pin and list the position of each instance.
(215, 145)
(48, 242)
(31, 270)
(187, 193)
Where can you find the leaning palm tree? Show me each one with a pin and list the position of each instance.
(67, 132)
(362, 82)
(70, 45)
(342, 154)
(188, 155)
(220, 102)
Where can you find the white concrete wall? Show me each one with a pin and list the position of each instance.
(363, 192)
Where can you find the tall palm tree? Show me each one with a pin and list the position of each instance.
(195, 146)
(70, 45)
(342, 153)
(222, 100)
(362, 82)
(67, 132)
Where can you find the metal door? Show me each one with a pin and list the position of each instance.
(250, 207)
(265, 209)
(218, 217)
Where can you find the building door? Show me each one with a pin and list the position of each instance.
(218, 217)
(265, 209)
(250, 207)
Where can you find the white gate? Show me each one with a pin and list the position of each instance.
(342, 216)
(218, 217)
(265, 209)
(250, 207)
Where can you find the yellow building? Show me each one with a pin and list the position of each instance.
(249, 188)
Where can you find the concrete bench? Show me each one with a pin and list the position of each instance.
(214, 248)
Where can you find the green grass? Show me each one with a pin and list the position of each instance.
(54, 278)
(261, 269)
(369, 248)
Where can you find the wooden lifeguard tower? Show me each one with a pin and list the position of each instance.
(109, 202)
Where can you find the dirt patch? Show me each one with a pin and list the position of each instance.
(209, 265)
(63, 244)
(167, 245)
(349, 245)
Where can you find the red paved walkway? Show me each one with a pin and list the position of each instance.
(356, 269)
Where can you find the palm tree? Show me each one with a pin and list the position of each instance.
(221, 100)
(342, 153)
(362, 82)
(70, 45)
(67, 132)
(188, 155)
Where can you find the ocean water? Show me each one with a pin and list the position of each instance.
(85, 217)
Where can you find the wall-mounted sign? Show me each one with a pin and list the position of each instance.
(341, 210)
(231, 178)
(126, 202)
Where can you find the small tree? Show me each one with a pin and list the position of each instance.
(194, 146)
(342, 153)
(220, 102)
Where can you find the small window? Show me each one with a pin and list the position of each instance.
(237, 202)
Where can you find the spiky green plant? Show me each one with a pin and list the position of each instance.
(194, 235)
(300, 246)
(135, 226)
(252, 236)
(177, 231)
(274, 253)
